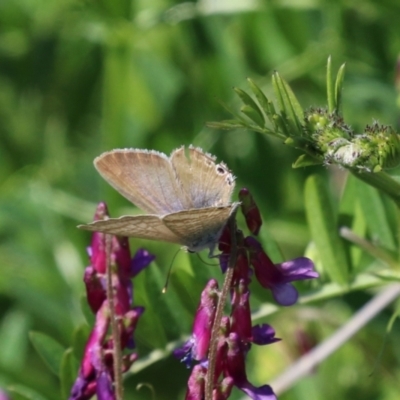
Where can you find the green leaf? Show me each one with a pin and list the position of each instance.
(350, 205)
(280, 123)
(265, 104)
(68, 372)
(251, 104)
(375, 216)
(253, 115)
(338, 88)
(324, 230)
(50, 350)
(226, 124)
(288, 102)
(79, 339)
(329, 86)
(278, 92)
(20, 392)
(13, 331)
(297, 112)
(238, 117)
(86, 310)
(306, 160)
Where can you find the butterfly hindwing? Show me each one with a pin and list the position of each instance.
(198, 228)
(138, 226)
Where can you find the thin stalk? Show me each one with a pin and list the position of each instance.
(370, 248)
(381, 181)
(114, 325)
(220, 310)
(306, 364)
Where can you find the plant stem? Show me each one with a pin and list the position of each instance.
(375, 251)
(114, 325)
(219, 312)
(308, 362)
(382, 181)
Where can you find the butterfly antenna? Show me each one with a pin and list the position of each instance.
(164, 289)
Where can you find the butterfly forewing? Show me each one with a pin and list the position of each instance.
(139, 226)
(146, 178)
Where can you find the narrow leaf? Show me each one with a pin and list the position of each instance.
(260, 96)
(338, 88)
(68, 372)
(278, 92)
(50, 350)
(247, 100)
(253, 115)
(297, 110)
(24, 393)
(329, 86)
(13, 331)
(375, 215)
(232, 112)
(226, 124)
(324, 230)
(280, 123)
(79, 339)
(306, 160)
(291, 109)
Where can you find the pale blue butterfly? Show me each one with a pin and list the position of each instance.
(188, 199)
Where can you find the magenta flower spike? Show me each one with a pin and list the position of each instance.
(236, 334)
(196, 348)
(96, 375)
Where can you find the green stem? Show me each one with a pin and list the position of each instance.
(219, 312)
(370, 248)
(114, 324)
(382, 181)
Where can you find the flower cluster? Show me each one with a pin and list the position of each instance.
(378, 147)
(95, 374)
(236, 333)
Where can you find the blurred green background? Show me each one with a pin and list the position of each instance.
(81, 77)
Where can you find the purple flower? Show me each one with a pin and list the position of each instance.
(141, 260)
(196, 348)
(277, 277)
(86, 382)
(105, 390)
(223, 390)
(241, 314)
(263, 334)
(196, 382)
(95, 374)
(236, 333)
(250, 211)
(235, 369)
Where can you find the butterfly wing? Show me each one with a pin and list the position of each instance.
(199, 228)
(206, 183)
(138, 226)
(146, 178)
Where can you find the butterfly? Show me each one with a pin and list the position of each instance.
(186, 197)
